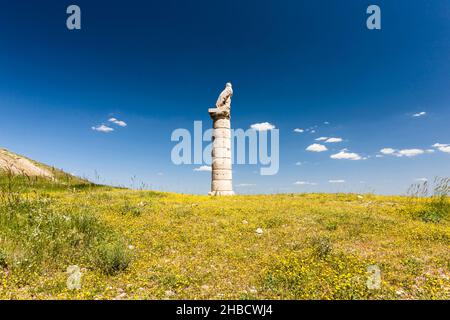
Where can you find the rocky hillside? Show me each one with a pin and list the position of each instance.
(20, 165)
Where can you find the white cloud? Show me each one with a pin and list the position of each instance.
(203, 168)
(410, 152)
(445, 149)
(103, 128)
(403, 152)
(387, 151)
(298, 163)
(326, 122)
(329, 140)
(336, 181)
(343, 154)
(315, 147)
(333, 140)
(421, 179)
(419, 114)
(264, 126)
(442, 147)
(245, 185)
(305, 183)
(120, 123)
(298, 130)
(439, 145)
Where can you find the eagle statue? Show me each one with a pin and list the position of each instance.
(224, 101)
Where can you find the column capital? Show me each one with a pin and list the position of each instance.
(217, 113)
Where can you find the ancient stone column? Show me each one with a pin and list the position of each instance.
(221, 180)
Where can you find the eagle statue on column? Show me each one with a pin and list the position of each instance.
(224, 101)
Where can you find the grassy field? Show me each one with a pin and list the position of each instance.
(148, 245)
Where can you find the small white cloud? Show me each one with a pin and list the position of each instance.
(245, 185)
(160, 173)
(419, 114)
(403, 152)
(439, 145)
(336, 181)
(322, 139)
(421, 179)
(305, 183)
(410, 152)
(344, 155)
(203, 168)
(120, 123)
(445, 149)
(326, 122)
(313, 131)
(264, 126)
(387, 151)
(298, 130)
(315, 147)
(299, 163)
(103, 128)
(379, 156)
(333, 140)
(442, 147)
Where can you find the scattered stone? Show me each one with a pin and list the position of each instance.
(259, 231)
(131, 247)
(74, 279)
(400, 292)
(169, 293)
(121, 296)
(142, 204)
(244, 221)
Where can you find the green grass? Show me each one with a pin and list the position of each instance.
(150, 245)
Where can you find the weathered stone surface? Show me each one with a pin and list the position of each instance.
(216, 114)
(221, 163)
(222, 143)
(222, 123)
(222, 133)
(221, 193)
(221, 153)
(222, 174)
(222, 185)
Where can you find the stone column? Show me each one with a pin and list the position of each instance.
(221, 180)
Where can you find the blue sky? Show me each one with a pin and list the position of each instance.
(159, 65)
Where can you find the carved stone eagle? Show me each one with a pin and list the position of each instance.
(224, 101)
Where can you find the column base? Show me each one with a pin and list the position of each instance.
(221, 193)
